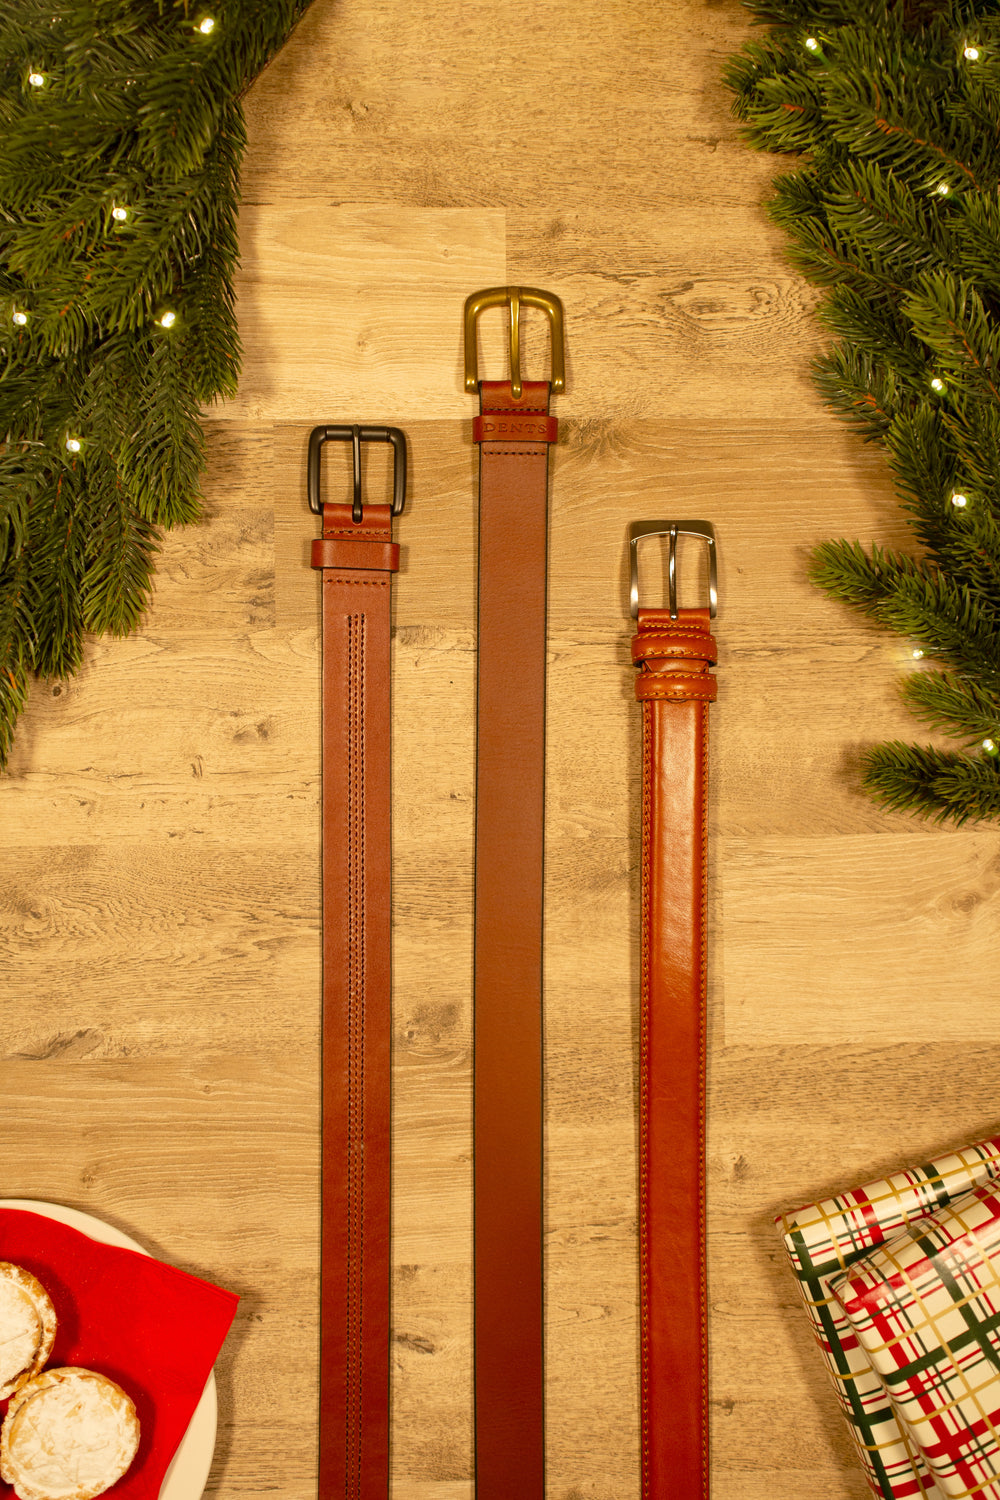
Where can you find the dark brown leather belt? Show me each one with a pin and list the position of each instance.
(513, 431)
(673, 651)
(358, 558)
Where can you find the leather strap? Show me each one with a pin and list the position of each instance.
(674, 687)
(357, 560)
(513, 434)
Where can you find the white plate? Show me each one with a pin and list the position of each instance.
(189, 1468)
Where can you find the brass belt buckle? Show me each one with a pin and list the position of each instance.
(704, 530)
(513, 297)
(356, 436)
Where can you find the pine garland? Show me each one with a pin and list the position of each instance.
(121, 138)
(895, 212)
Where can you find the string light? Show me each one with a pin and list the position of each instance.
(37, 80)
(119, 213)
(937, 384)
(972, 53)
(20, 318)
(73, 444)
(960, 500)
(990, 747)
(917, 654)
(207, 26)
(944, 188)
(812, 44)
(167, 319)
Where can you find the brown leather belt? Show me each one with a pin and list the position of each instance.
(673, 651)
(513, 431)
(358, 558)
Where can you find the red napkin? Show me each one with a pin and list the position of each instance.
(150, 1327)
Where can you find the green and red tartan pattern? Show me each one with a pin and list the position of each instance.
(926, 1309)
(823, 1241)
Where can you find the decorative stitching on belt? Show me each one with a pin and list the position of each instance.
(644, 650)
(667, 639)
(644, 1099)
(351, 533)
(673, 977)
(702, 1063)
(692, 631)
(648, 687)
(356, 634)
(514, 411)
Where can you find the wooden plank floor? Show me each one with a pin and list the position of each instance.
(159, 882)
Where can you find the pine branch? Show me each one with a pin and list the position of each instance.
(879, 212)
(121, 138)
(949, 317)
(933, 783)
(959, 707)
(916, 600)
(15, 647)
(893, 111)
(874, 325)
(54, 555)
(118, 563)
(862, 390)
(161, 457)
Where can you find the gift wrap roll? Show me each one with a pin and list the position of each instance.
(826, 1242)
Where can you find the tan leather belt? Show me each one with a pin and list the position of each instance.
(513, 431)
(673, 651)
(357, 557)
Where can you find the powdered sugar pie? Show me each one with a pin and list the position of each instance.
(69, 1434)
(27, 1327)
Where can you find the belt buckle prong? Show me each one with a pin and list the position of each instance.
(705, 532)
(356, 435)
(513, 297)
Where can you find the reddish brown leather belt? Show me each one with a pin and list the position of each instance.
(513, 431)
(673, 651)
(357, 557)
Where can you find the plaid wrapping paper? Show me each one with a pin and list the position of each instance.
(823, 1241)
(926, 1309)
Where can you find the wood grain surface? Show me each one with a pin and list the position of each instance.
(159, 875)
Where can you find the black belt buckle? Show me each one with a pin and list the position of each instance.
(356, 435)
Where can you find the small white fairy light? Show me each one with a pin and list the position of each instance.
(812, 44)
(943, 189)
(207, 25)
(937, 384)
(36, 79)
(990, 747)
(19, 317)
(73, 444)
(119, 213)
(917, 653)
(971, 53)
(961, 501)
(167, 319)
